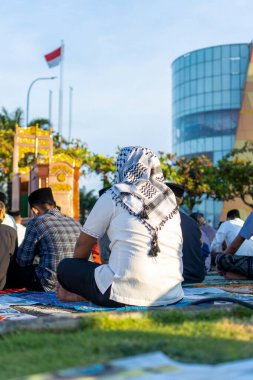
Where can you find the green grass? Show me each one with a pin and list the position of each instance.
(206, 337)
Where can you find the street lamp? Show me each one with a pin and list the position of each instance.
(28, 95)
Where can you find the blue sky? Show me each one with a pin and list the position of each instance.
(118, 60)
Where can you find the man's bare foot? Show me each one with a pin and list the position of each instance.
(235, 276)
(66, 296)
(219, 271)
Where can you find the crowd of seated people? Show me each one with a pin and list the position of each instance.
(136, 247)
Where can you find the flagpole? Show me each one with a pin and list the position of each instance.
(70, 111)
(61, 90)
(50, 106)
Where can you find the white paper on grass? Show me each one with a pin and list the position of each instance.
(242, 369)
(157, 366)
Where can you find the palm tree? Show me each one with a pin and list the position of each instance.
(42, 123)
(9, 120)
(87, 201)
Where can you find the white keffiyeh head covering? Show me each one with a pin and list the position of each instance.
(140, 189)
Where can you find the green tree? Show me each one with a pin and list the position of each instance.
(194, 176)
(87, 201)
(42, 123)
(8, 123)
(9, 120)
(102, 165)
(233, 176)
(192, 173)
(6, 155)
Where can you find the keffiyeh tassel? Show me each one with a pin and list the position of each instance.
(154, 250)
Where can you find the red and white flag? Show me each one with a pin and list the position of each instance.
(54, 58)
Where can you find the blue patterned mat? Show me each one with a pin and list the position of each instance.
(49, 298)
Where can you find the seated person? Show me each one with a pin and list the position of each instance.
(8, 220)
(205, 247)
(233, 266)
(20, 228)
(207, 229)
(193, 261)
(228, 231)
(8, 242)
(50, 236)
(141, 217)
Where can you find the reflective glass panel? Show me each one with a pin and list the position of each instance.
(216, 83)
(200, 56)
(216, 98)
(208, 54)
(208, 99)
(225, 66)
(225, 51)
(193, 86)
(235, 66)
(244, 51)
(235, 82)
(225, 98)
(200, 70)
(208, 84)
(235, 98)
(235, 50)
(200, 100)
(217, 142)
(200, 86)
(209, 143)
(193, 72)
(193, 58)
(216, 68)
(216, 52)
(226, 143)
(208, 69)
(225, 79)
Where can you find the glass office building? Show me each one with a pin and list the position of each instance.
(208, 86)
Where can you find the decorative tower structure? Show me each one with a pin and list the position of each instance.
(35, 166)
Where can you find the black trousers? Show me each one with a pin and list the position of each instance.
(22, 277)
(237, 264)
(78, 276)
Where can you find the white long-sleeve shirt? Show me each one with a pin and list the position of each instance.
(228, 232)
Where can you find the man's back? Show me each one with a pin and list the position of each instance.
(194, 265)
(52, 236)
(8, 238)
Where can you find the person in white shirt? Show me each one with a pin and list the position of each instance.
(20, 228)
(228, 231)
(140, 215)
(233, 266)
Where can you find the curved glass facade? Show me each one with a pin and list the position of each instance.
(207, 89)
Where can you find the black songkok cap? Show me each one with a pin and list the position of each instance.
(3, 198)
(177, 189)
(43, 195)
(14, 213)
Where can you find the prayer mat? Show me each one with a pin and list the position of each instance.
(49, 298)
(213, 279)
(191, 295)
(7, 291)
(237, 288)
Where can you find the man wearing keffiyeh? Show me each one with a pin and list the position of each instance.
(140, 215)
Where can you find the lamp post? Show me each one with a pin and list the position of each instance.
(28, 94)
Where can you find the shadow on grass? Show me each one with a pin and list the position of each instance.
(103, 338)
